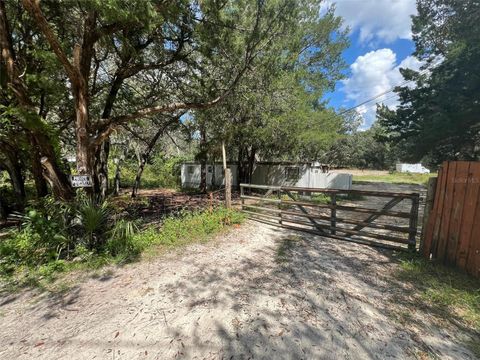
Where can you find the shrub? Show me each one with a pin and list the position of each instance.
(121, 239)
(190, 226)
(52, 229)
(94, 221)
(87, 233)
(159, 172)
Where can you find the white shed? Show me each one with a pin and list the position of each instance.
(269, 173)
(412, 168)
(190, 174)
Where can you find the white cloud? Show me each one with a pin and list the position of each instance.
(377, 20)
(372, 74)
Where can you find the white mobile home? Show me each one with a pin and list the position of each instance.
(268, 173)
(412, 168)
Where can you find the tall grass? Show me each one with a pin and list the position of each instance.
(449, 292)
(187, 228)
(20, 265)
(396, 178)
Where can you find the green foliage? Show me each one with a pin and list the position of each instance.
(121, 239)
(161, 172)
(320, 198)
(34, 254)
(188, 227)
(52, 230)
(396, 178)
(438, 119)
(361, 150)
(94, 219)
(275, 112)
(44, 234)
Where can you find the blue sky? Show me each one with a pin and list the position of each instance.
(380, 35)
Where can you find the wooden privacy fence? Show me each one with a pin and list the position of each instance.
(333, 213)
(452, 234)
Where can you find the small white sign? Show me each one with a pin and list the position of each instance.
(79, 181)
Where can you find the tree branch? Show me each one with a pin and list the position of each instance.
(15, 82)
(106, 127)
(32, 6)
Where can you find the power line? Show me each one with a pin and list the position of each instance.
(383, 101)
(381, 94)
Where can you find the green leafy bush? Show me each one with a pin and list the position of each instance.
(159, 172)
(94, 220)
(52, 229)
(121, 239)
(188, 227)
(89, 234)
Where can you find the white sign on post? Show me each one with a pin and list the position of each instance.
(79, 181)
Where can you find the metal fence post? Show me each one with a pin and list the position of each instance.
(333, 213)
(413, 223)
(242, 193)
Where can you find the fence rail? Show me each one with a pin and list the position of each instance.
(334, 215)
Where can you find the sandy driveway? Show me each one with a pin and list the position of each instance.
(255, 293)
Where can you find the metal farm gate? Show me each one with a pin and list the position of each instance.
(336, 213)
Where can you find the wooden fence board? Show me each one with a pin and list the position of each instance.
(458, 201)
(441, 202)
(446, 212)
(473, 256)
(453, 229)
(471, 199)
(429, 232)
(438, 214)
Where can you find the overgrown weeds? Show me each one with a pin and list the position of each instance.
(396, 178)
(447, 291)
(58, 237)
(285, 247)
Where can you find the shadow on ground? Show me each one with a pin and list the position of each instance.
(266, 293)
(319, 298)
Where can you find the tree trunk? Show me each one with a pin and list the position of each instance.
(56, 183)
(100, 178)
(138, 177)
(37, 171)
(12, 164)
(251, 163)
(213, 179)
(103, 151)
(84, 151)
(145, 156)
(57, 179)
(228, 188)
(35, 125)
(15, 172)
(116, 179)
(240, 168)
(203, 159)
(3, 209)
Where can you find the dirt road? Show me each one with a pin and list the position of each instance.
(256, 292)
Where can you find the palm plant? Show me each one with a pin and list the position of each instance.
(94, 219)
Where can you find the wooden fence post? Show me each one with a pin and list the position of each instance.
(210, 200)
(228, 188)
(431, 187)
